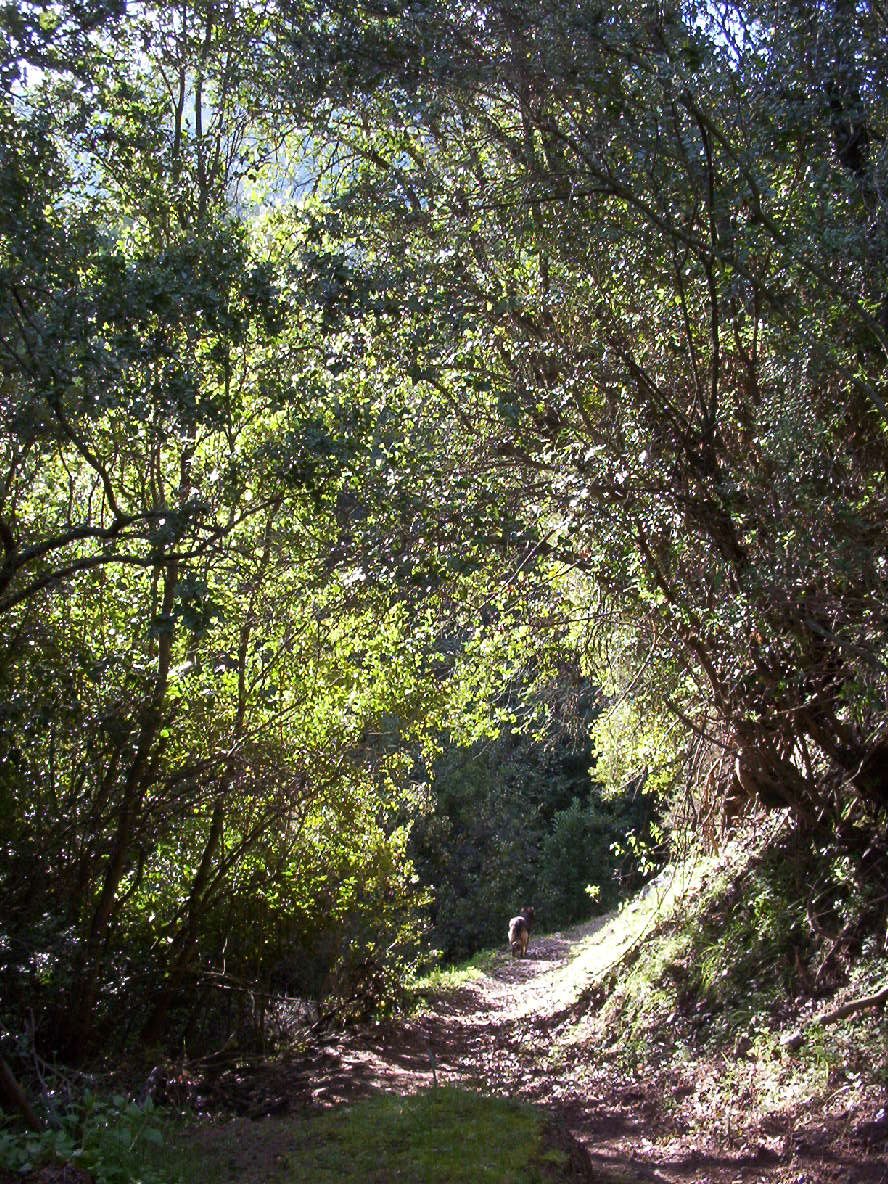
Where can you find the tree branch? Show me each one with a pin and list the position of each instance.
(797, 1039)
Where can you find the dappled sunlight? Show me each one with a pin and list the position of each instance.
(443, 481)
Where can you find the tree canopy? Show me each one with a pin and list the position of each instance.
(371, 371)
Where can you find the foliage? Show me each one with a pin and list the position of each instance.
(521, 820)
(108, 1137)
(655, 332)
(193, 817)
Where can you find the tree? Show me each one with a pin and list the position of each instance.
(524, 818)
(188, 680)
(641, 270)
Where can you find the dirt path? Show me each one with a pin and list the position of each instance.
(510, 1032)
(514, 1031)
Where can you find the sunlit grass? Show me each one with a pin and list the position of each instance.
(442, 979)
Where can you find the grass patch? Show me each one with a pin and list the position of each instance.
(442, 1136)
(442, 979)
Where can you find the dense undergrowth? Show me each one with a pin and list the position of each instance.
(101, 1139)
(735, 977)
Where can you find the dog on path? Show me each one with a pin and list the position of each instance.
(519, 932)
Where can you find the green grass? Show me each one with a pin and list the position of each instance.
(442, 1136)
(442, 979)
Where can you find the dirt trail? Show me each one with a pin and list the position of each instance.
(514, 1031)
(494, 1032)
(519, 1030)
(497, 1033)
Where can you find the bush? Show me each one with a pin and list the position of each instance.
(523, 821)
(106, 1137)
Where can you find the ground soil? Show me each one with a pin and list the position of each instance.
(509, 1032)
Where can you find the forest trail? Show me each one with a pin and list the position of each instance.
(497, 1030)
(522, 1029)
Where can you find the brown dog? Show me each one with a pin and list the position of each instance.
(519, 932)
